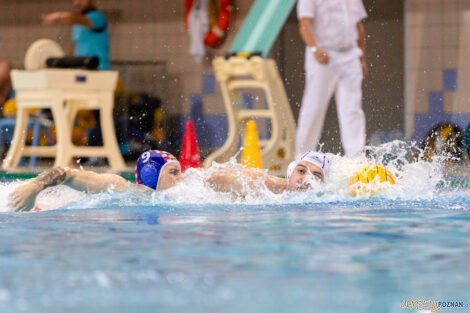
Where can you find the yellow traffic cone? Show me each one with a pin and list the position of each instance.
(251, 156)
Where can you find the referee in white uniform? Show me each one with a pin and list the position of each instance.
(334, 63)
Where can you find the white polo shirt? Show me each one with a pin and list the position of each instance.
(335, 21)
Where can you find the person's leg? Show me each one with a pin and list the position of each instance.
(351, 117)
(320, 83)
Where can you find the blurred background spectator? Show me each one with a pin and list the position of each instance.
(90, 34)
(90, 37)
(150, 44)
(5, 83)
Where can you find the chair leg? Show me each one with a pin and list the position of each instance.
(109, 135)
(17, 144)
(71, 111)
(63, 135)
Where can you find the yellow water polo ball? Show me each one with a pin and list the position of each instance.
(370, 179)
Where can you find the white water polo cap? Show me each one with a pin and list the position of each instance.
(317, 158)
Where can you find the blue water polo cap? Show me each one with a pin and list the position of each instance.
(150, 166)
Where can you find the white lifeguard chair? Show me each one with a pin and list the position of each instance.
(64, 92)
(236, 73)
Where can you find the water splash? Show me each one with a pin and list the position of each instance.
(57, 197)
(5, 189)
(416, 179)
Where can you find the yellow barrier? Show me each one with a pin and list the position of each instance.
(251, 156)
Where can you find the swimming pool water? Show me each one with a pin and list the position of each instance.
(361, 256)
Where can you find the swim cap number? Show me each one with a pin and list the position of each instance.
(146, 157)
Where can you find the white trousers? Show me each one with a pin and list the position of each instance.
(343, 77)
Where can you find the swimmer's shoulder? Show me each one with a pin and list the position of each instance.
(140, 187)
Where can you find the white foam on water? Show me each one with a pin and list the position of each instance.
(415, 180)
(48, 199)
(56, 197)
(5, 189)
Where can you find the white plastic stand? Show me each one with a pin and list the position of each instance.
(239, 72)
(65, 92)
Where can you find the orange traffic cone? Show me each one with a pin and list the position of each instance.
(189, 151)
(251, 156)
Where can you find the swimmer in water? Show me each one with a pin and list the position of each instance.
(311, 164)
(159, 170)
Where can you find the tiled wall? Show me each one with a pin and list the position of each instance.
(140, 30)
(153, 30)
(437, 64)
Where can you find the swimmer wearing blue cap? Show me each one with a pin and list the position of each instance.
(159, 170)
(155, 170)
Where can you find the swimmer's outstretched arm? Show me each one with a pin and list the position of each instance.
(231, 179)
(23, 197)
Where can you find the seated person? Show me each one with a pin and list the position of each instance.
(5, 82)
(159, 170)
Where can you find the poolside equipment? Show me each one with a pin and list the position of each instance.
(262, 25)
(236, 73)
(150, 166)
(41, 133)
(370, 179)
(251, 156)
(189, 151)
(38, 53)
(218, 30)
(9, 107)
(78, 90)
(78, 62)
(245, 68)
(219, 20)
(444, 140)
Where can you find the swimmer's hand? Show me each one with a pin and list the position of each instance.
(23, 197)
